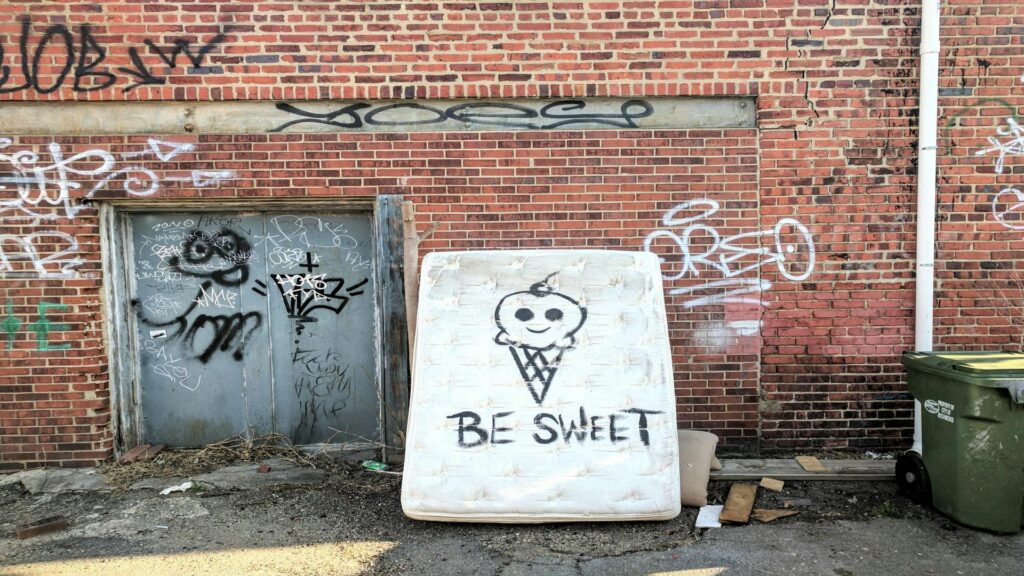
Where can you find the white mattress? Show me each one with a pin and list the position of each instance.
(509, 341)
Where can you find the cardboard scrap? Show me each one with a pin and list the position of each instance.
(39, 527)
(772, 484)
(810, 464)
(708, 517)
(739, 503)
(765, 515)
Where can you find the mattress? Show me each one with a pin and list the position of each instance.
(542, 390)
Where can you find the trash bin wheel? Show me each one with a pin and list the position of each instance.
(912, 478)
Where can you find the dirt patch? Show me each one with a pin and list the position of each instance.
(833, 501)
(185, 463)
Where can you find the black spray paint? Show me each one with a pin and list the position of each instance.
(500, 114)
(91, 55)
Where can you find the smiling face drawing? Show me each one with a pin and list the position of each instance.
(538, 325)
(538, 318)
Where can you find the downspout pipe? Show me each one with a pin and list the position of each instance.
(928, 117)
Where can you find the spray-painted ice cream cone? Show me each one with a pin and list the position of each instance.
(538, 326)
(537, 368)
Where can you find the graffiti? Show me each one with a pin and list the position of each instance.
(50, 253)
(290, 229)
(701, 248)
(304, 293)
(552, 427)
(322, 386)
(59, 42)
(501, 114)
(169, 366)
(286, 258)
(1008, 208)
(1013, 146)
(45, 189)
(43, 326)
(357, 261)
(222, 256)
(535, 324)
(219, 258)
(216, 298)
(10, 325)
(160, 305)
(205, 334)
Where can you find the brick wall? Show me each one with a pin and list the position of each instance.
(805, 361)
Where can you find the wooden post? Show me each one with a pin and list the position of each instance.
(412, 276)
(394, 335)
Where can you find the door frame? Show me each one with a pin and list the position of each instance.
(391, 345)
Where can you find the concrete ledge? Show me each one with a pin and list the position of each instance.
(53, 118)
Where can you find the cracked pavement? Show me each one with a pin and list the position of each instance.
(294, 522)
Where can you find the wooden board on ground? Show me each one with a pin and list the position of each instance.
(772, 484)
(765, 515)
(135, 453)
(739, 503)
(152, 451)
(788, 469)
(810, 463)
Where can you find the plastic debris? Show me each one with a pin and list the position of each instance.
(708, 517)
(179, 488)
(374, 465)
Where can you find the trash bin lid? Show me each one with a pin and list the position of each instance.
(990, 369)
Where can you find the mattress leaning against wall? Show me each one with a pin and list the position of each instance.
(542, 390)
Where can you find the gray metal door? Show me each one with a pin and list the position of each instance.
(254, 323)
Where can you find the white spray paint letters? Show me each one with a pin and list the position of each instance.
(729, 262)
(36, 189)
(1008, 208)
(1013, 146)
(52, 253)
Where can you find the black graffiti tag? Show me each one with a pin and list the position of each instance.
(59, 42)
(501, 114)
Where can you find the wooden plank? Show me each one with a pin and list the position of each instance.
(394, 335)
(765, 515)
(810, 463)
(411, 247)
(788, 469)
(135, 453)
(739, 503)
(152, 451)
(44, 526)
(772, 484)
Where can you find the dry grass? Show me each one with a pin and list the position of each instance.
(185, 463)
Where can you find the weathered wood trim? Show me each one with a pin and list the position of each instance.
(393, 337)
(788, 469)
(125, 417)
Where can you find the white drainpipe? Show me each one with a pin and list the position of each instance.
(928, 117)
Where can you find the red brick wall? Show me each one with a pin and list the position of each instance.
(834, 149)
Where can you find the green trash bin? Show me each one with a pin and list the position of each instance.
(973, 434)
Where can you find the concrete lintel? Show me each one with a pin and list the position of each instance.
(58, 118)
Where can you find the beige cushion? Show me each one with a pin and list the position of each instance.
(696, 452)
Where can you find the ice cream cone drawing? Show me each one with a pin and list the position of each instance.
(538, 325)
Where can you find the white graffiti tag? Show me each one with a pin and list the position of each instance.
(55, 188)
(1008, 208)
(50, 254)
(700, 248)
(1013, 146)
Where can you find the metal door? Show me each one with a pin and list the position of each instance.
(252, 323)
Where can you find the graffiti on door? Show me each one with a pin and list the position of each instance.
(274, 304)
